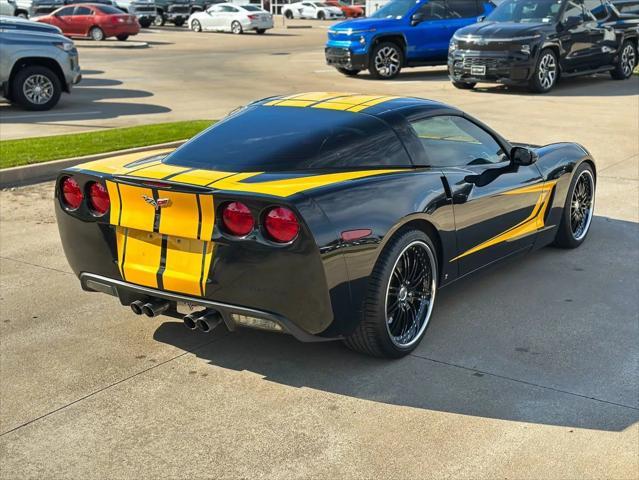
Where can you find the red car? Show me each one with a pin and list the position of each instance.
(350, 11)
(93, 20)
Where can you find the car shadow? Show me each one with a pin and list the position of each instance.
(600, 85)
(540, 340)
(433, 74)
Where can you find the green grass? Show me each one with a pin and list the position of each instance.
(25, 151)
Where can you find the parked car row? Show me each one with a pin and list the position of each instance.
(528, 42)
(37, 63)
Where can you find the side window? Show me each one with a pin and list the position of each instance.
(435, 10)
(574, 9)
(83, 11)
(463, 8)
(595, 9)
(66, 12)
(451, 141)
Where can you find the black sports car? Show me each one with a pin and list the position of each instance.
(323, 215)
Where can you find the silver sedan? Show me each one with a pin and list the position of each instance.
(226, 17)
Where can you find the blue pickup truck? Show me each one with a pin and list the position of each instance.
(403, 33)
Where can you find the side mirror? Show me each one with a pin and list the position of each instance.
(523, 156)
(481, 18)
(416, 19)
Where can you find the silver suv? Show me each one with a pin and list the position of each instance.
(37, 63)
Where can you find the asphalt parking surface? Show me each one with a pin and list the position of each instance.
(528, 370)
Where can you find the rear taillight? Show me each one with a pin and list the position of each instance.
(237, 219)
(253, 17)
(71, 193)
(99, 201)
(281, 224)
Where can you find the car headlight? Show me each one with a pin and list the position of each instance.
(66, 46)
(351, 31)
(453, 45)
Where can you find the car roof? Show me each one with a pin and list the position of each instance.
(370, 104)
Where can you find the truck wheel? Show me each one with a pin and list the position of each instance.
(36, 88)
(347, 72)
(386, 61)
(464, 85)
(122, 38)
(178, 22)
(195, 26)
(626, 63)
(159, 20)
(400, 298)
(546, 72)
(288, 14)
(236, 28)
(145, 23)
(97, 34)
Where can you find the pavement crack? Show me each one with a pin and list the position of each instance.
(35, 265)
(100, 390)
(532, 384)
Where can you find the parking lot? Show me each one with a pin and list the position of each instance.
(528, 370)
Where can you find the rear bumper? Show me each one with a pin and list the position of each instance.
(129, 292)
(507, 68)
(344, 58)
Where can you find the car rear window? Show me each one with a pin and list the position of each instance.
(251, 8)
(261, 138)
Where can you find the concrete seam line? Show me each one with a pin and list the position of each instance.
(34, 265)
(78, 400)
(503, 377)
(40, 172)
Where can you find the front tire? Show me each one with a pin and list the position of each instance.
(386, 61)
(546, 72)
(236, 28)
(348, 72)
(159, 20)
(321, 16)
(464, 85)
(288, 14)
(626, 63)
(36, 88)
(578, 209)
(96, 34)
(400, 298)
(196, 26)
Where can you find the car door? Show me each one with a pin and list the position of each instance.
(230, 15)
(81, 20)
(427, 35)
(498, 206)
(602, 37)
(575, 36)
(62, 20)
(211, 20)
(307, 10)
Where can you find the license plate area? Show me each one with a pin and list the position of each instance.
(479, 70)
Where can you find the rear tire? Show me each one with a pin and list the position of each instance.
(546, 72)
(178, 22)
(236, 28)
(347, 72)
(626, 63)
(321, 16)
(578, 209)
(288, 14)
(386, 61)
(96, 34)
(36, 88)
(464, 85)
(146, 23)
(122, 38)
(400, 298)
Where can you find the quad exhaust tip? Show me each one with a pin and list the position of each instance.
(206, 320)
(190, 319)
(155, 308)
(137, 307)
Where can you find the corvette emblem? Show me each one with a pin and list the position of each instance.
(157, 204)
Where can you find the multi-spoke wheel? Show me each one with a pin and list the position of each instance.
(36, 88)
(386, 61)
(401, 296)
(626, 63)
(196, 26)
(236, 28)
(578, 209)
(546, 72)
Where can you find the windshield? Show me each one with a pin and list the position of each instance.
(395, 9)
(526, 11)
(271, 139)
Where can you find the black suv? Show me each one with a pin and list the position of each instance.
(535, 42)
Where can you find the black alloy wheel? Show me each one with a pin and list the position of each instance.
(626, 62)
(546, 72)
(386, 61)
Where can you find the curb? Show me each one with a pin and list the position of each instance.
(41, 172)
(110, 44)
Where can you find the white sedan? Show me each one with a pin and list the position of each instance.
(226, 17)
(318, 10)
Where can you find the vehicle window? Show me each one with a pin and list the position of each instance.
(574, 9)
(451, 141)
(435, 10)
(526, 11)
(83, 11)
(251, 8)
(289, 138)
(65, 12)
(394, 9)
(215, 9)
(463, 8)
(109, 10)
(595, 9)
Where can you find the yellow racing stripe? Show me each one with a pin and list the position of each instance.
(141, 256)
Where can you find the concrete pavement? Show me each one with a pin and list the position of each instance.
(528, 370)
